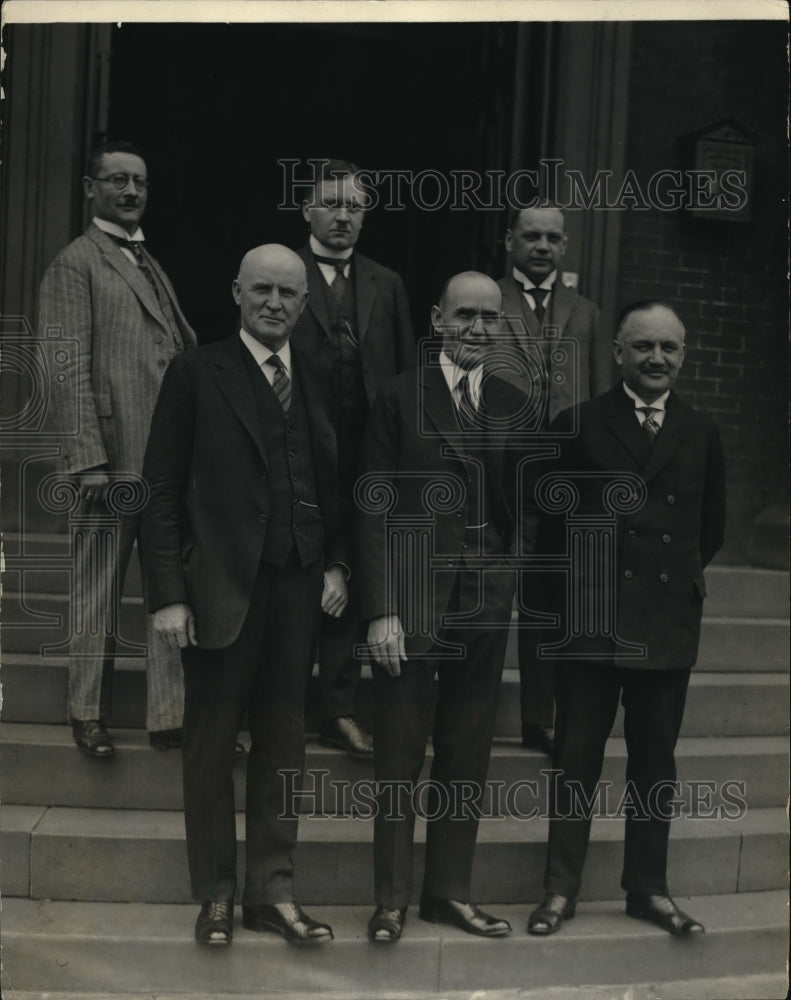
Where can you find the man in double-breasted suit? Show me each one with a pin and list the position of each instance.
(244, 548)
(562, 359)
(107, 292)
(436, 453)
(357, 326)
(670, 521)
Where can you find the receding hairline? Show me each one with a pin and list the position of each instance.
(645, 305)
(443, 295)
(268, 252)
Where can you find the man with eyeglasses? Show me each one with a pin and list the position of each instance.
(358, 328)
(107, 292)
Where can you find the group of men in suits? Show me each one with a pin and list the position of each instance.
(260, 449)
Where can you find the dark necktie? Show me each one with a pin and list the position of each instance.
(281, 383)
(339, 282)
(136, 249)
(539, 294)
(468, 412)
(650, 426)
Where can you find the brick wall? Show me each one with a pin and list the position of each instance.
(728, 279)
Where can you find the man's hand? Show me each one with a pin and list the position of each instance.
(93, 483)
(335, 595)
(175, 626)
(386, 640)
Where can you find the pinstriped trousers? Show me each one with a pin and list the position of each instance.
(99, 578)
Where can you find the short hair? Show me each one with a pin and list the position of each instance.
(109, 146)
(514, 213)
(331, 170)
(643, 305)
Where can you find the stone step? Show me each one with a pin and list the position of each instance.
(139, 856)
(37, 622)
(740, 591)
(106, 949)
(42, 765)
(718, 704)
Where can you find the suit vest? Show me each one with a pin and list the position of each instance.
(294, 515)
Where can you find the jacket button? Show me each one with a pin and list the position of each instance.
(158, 340)
(631, 533)
(628, 574)
(291, 453)
(671, 498)
(459, 513)
(663, 577)
(263, 518)
(665, 539)
(450, 562)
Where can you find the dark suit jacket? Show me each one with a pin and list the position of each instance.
(384, 327)
(662, 548)
(413, 441)
(99, 298)
(205, 525)
(577, 319)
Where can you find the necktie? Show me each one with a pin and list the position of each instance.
(650, 426)
(467, 409)
(136, 249)
(539, 294)
(339, 282)
(281, 383)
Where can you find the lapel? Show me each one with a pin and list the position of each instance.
(365, 288)
(439, 408)
(668, 439)
(623, 423)
(233, 381)
(562, 302)
(317, 290)
(515, 308)
(130, 273)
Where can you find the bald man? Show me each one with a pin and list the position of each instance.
(437, 443)
(244, 546)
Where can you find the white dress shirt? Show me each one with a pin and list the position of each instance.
(262, 354)
(454, 374)
(658, 406)
(327, 270)
(115, 230)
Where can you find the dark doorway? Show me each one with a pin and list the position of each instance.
(214, 107)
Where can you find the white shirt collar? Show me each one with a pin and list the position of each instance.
(658, 404)
(528, 283)
(115, 230)
(454, 374)
(261, 352)
(321, 251)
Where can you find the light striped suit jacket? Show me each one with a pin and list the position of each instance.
(96, 297)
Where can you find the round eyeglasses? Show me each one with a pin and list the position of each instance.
(120, 181)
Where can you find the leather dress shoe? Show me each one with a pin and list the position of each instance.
(214, 925)
(170, 739)
(288, 919)
(550, 914)
(538, 738)
(662, 911)
(92, 738)
(466, 916)
(345, 733)
(385, 925)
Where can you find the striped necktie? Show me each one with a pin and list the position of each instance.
(539, 294)
(135, 247)
(650, 426)
(340, 281)
(281, 383)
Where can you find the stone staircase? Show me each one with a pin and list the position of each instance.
(94, 877)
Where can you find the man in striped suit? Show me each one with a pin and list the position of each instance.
(106, 292)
